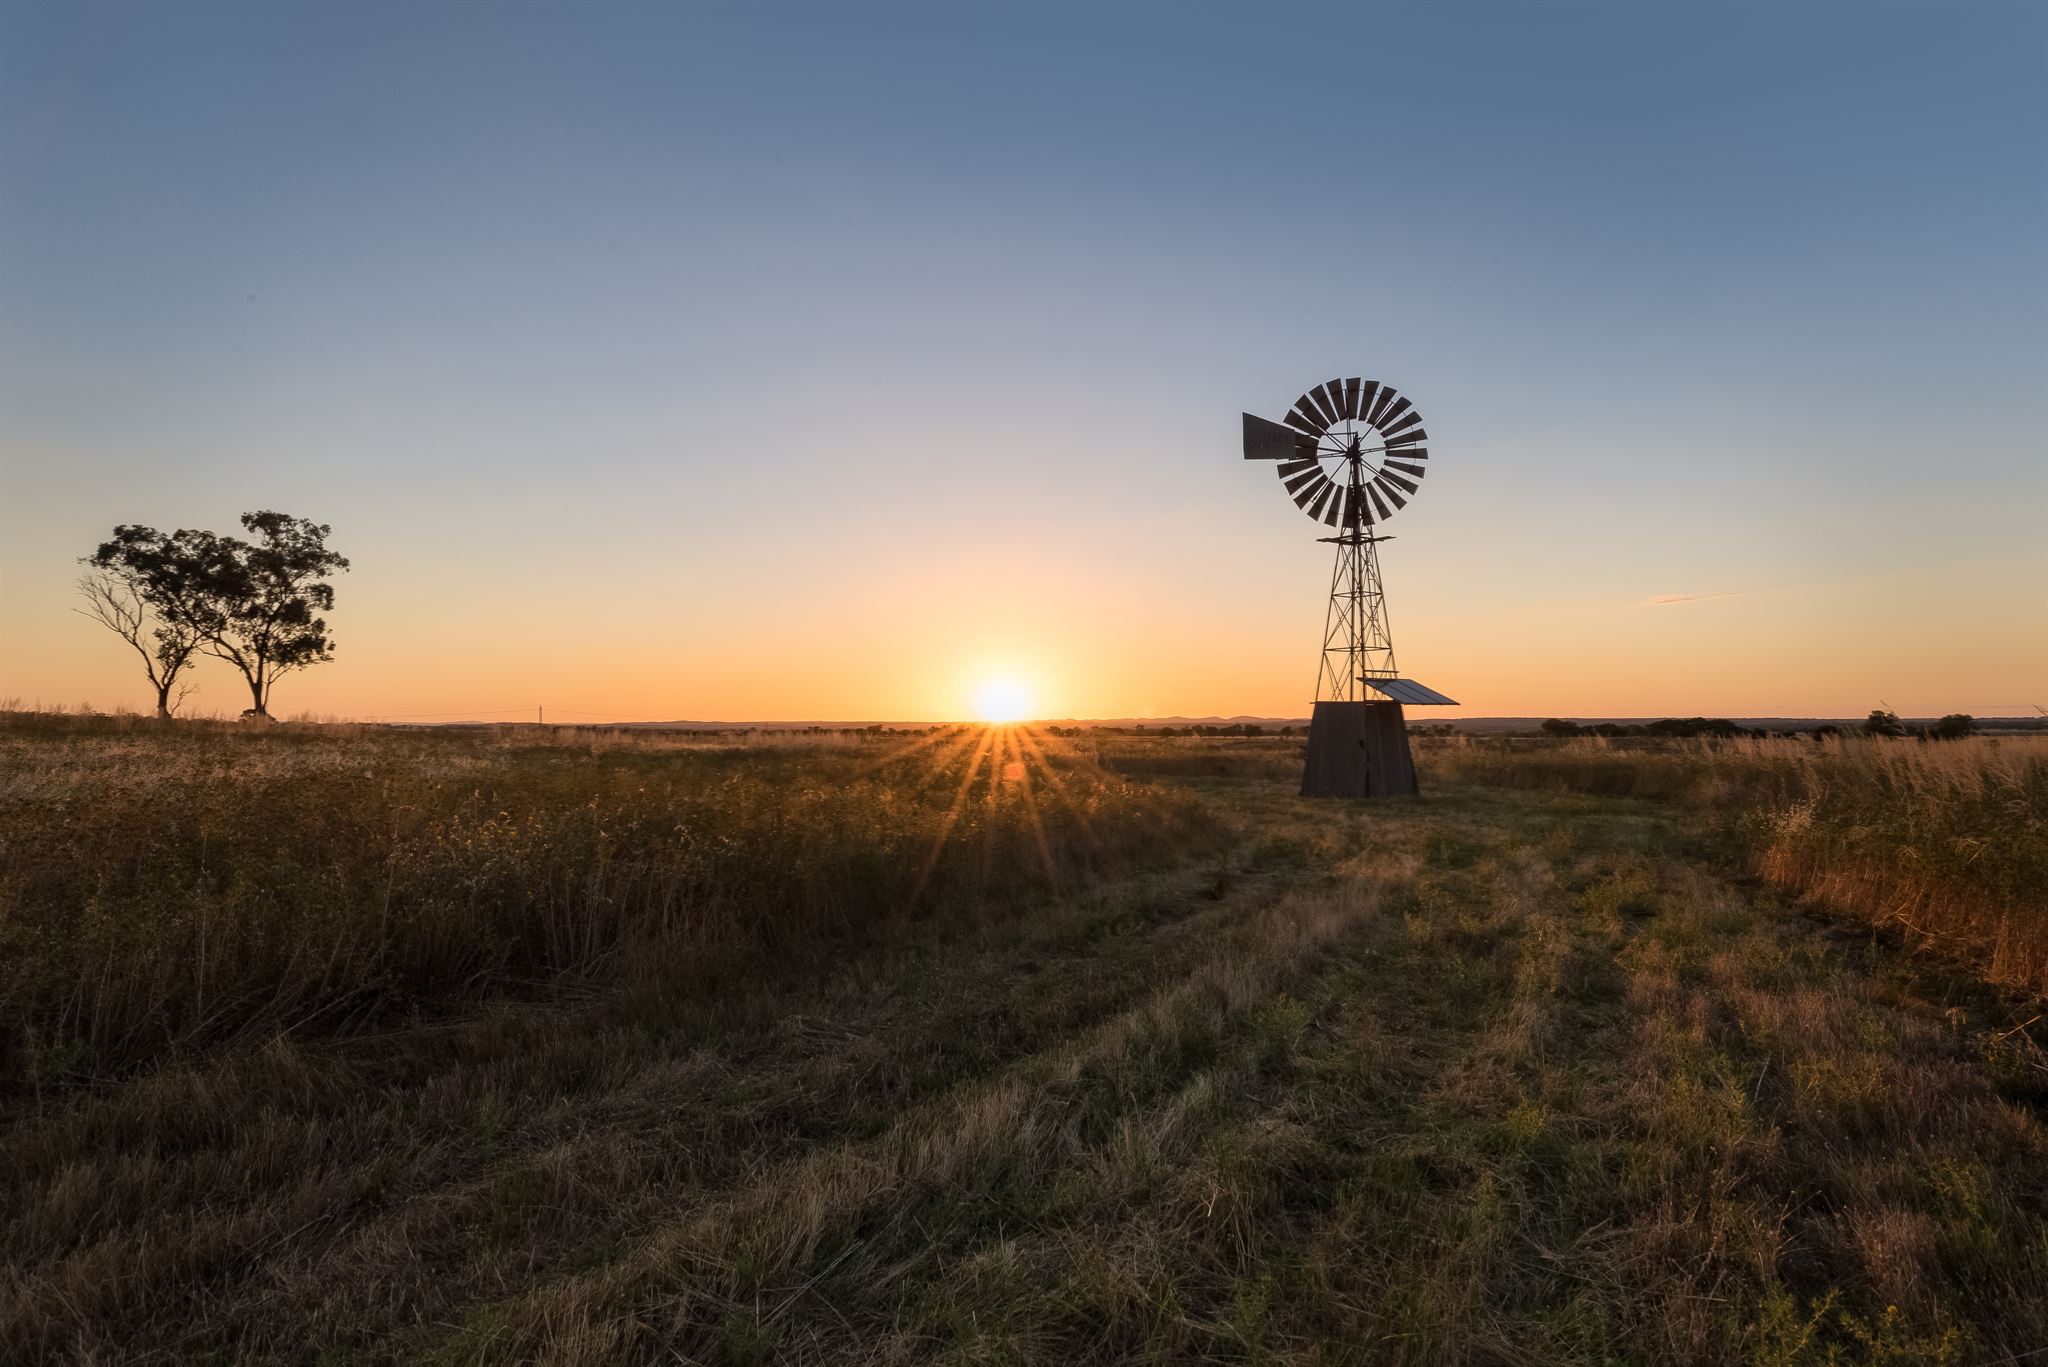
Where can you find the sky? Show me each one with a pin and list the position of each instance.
(764, 361)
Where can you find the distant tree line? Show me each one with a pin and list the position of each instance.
(1233, 729)
(255, 603)
(1681, 727)
(1954, 726)
(1882, 722)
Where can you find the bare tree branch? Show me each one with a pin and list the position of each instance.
(119, 601)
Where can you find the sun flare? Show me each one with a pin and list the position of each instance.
(1003, 700)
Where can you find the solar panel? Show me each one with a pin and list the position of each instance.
(1410, 692)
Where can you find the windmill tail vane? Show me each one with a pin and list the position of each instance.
(1351, 453)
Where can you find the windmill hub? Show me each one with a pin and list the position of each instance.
(1336, 464)
(1351, 453)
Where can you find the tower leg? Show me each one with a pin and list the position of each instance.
(1358, 749)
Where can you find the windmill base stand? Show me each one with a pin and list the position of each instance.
(1358, 749)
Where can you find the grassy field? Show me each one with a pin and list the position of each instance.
(1945, 843)
(332, 1046)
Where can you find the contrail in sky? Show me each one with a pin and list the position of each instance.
(1661, 599)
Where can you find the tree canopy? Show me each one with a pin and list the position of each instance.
(266, 596)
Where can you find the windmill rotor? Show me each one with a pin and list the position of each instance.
(1350, 453)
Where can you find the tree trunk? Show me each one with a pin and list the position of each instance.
(256, 694)
(163, 701)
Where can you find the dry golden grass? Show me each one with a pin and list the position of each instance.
(164, 887)
(1506, 1076)
(1946, 842)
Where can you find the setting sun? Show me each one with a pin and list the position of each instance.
(1001, 700)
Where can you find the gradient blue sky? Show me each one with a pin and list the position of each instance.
(747, 361)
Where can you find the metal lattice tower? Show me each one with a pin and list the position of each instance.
(1358, 641)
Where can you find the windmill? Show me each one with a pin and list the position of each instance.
(1351, 453)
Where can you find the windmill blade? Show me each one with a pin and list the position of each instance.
(1368, 395)
(1330, 511)
(1351, 397)
(1390, 477)
(1411, 437)
(1387, 421)
(1305, 489)
(1317, 499)
(1301, 484)
(1268, 440)
(1379, 409)
(1326, 501)
(1393, 427)
(1322, 404)
(1288, 469)
(1405, 468)
(1303, 419)
(1333, 390)
(1384, 511)
(1388, 490)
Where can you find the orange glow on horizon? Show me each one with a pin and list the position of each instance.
(1083, 637)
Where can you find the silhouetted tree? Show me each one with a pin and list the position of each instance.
(1954, 726)
(1883, 723)
(1688, 727)
(265, 596)
(255, 604)
(137, 589)
(1557, 726)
